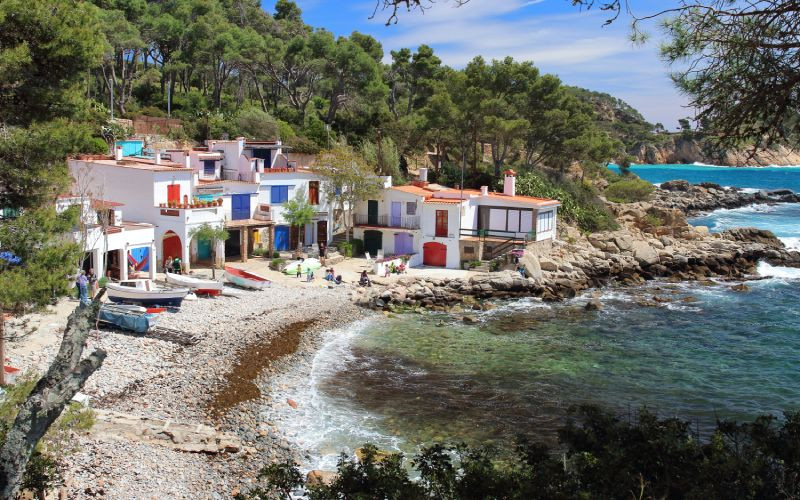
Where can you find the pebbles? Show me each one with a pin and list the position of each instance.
(153, 378)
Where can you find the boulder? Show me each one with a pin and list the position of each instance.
(531, 265)
(470, 320)
(644, 253)
(741, 287)
(593, 305)
(624, 242)
(676, 185)
(320, 477)
(547, 264)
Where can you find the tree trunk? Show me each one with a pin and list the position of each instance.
(2, 349)
(65, 377)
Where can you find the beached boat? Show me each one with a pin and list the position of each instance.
(197, 285)
(135, 319)
(246, 279)
(145, 293)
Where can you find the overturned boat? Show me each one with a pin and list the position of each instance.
(197, 285)
(245, 279)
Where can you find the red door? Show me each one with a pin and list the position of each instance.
(441, 223)
(434, 254)
(174, 193)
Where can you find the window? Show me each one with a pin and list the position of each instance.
(411, 208)
(545, 221)
(279, 194)
(313, 192)
(441, 223)
(209, 167)
(174, 193)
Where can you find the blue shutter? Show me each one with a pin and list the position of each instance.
(279, 194)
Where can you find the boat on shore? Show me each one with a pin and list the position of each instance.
(246, 279)
(144, 292)
(199, 286)
(131, 318)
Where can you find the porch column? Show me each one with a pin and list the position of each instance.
(123, 264)
(97, 263)
(153, 265)
(271, 240)
(244, 233)
(186, 257)
(219, 255)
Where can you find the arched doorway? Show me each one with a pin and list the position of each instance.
(434, 254)
(171, 246)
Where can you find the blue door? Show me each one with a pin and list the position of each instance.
(240, 206)
(281, 238)
(403, 244)
(396, 213)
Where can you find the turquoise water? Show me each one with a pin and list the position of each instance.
(706, 352)
(743, 177)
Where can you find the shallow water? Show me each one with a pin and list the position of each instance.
(709, 353)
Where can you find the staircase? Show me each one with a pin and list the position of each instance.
(340, 237)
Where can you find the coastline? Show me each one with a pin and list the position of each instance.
(150, 377)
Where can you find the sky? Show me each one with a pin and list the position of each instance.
(558, 38)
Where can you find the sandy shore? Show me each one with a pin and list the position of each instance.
(244, 342)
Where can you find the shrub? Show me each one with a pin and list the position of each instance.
(579, 202)
(276, 263)
(629, 191)
(102, 282)
(276, 255)
(358, 246)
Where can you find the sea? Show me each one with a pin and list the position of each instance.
(706, 352)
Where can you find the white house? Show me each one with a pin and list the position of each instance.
(447, 226)
(255, 179)
(110, 242)
(154, 191)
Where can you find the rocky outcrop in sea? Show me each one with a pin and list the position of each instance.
(679, 149)
(704, 197)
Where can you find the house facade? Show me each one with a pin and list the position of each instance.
(447, 226)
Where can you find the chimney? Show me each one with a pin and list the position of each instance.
(484, 190)
(423, 175)
(158, 157)
(510, 183)
(118, 153)
(187, 160)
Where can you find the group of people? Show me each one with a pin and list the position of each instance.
(330, 275)
(173, 266)
(86, 283)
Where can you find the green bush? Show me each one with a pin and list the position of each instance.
(629, 191)
(599, 456)
(276, 263)
(345, 248)
(102, 282)
(276, 255)
(358, 246)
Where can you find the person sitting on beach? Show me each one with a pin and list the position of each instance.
(176, 265)
(168, 264)
(401, 269)
(329, 275)
(364, 280)
(339, 280)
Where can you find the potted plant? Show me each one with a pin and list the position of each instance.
(162, 205)
(219, 202)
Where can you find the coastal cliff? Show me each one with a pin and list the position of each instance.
(678, 149)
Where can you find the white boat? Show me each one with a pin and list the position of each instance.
(246, 279)
(197, 285)
(145, 293)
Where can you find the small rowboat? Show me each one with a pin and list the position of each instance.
(245, 279)
(197, 285)
(127, 317)
(144, 292)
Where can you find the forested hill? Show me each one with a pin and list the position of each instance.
(621, 120)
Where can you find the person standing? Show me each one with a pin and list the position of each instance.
(83, 287)
(92, 277)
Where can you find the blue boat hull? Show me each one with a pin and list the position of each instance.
(154, 302)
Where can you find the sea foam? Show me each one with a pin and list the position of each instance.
(768, 270)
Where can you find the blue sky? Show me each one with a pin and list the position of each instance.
(557, 37)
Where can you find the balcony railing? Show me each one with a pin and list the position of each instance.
(407, 222)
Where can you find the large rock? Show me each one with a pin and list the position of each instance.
(546, 264)
(320, 477)
(531, 265)
(644, 253)
(676, 185)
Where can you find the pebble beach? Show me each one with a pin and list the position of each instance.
(222, 381)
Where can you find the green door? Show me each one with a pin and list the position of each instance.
(372, 212)
(203, 250)
(373, 241)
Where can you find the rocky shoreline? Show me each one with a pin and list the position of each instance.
(654, 241)
(230, 381)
